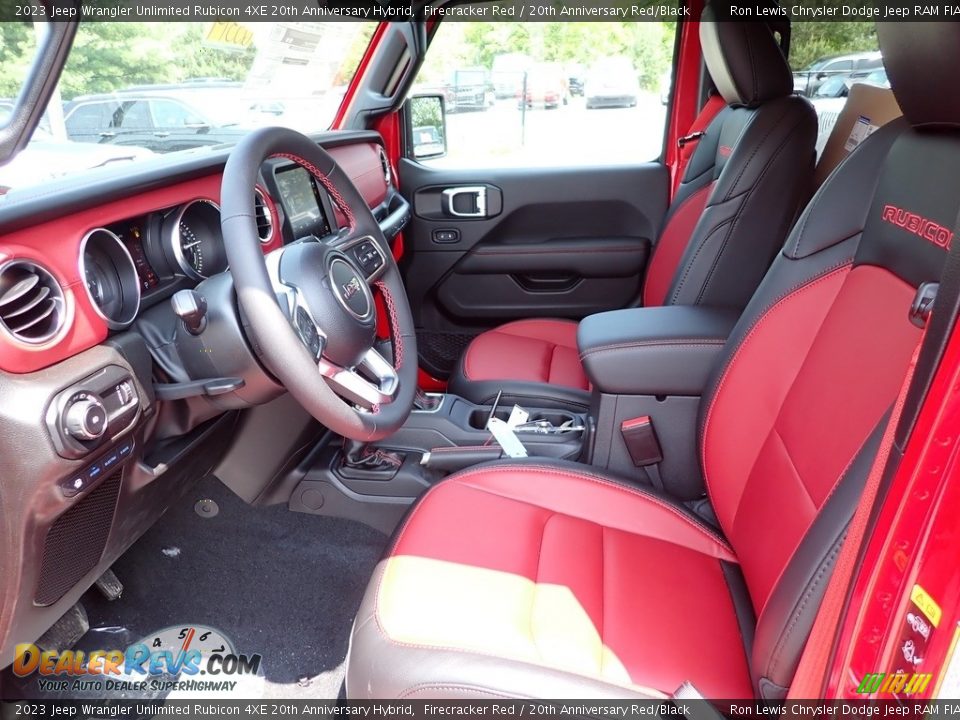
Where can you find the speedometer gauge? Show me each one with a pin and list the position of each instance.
(195, 240)
(192, 248)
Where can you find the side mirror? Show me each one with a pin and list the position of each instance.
(821, 75)
(426, 121)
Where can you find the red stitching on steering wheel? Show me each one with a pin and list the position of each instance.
(327, 185)
(394, 323)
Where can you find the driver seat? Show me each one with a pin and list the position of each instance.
(545, 579)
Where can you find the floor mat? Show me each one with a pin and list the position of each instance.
(282, 584)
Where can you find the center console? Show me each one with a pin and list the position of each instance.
(453, 423)
(445, 433)
(648, 368)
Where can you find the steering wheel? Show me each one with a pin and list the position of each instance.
(308, 307)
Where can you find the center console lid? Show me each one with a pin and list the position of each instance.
(653, 351)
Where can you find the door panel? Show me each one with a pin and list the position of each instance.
(521, 242)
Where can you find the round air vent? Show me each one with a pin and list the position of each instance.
(264, 217)
(31, 302)
(385, 166)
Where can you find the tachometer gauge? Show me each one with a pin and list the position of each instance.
(111, 278)
(192, 249)
(195, 241)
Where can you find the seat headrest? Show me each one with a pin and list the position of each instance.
(744, 60)
(921, 60)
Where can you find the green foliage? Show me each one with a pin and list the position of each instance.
(108, 56)
(17, 47)
(811, 41)
(457, 45)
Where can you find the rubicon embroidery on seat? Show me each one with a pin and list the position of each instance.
(918, 225)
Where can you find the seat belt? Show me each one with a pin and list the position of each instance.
(811, 672)
(688, 143)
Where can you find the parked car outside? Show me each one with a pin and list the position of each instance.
(545, 86)
(45, 157)
(468, 89)
(166, 118)
(507, 74)
(806, 81)
(576, 77)
(612, 83)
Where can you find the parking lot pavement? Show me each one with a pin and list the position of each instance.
(568, 135)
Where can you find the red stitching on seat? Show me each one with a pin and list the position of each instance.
(327, 184)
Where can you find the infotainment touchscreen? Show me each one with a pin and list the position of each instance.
(299, 198)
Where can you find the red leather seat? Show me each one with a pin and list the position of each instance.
(551, 580)
(744, 184)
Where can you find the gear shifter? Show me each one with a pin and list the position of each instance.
(362, 460)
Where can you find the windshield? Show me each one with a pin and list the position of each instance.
(135, 90)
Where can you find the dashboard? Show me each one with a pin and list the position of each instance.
(105, 264)
(110, 413)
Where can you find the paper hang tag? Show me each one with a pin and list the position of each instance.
(862, 129)
(518, 416)
(506, 438)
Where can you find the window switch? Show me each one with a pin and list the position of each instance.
(446, 236)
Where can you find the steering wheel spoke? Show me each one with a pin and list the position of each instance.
(366, 253)
(371, 384)
(294, 306)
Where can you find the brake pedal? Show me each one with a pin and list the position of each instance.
(66, 631)
(109, 586)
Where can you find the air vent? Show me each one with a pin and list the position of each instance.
(385, 166)
(264, 218)
(31, 302)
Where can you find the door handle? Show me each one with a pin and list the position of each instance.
(476, 206)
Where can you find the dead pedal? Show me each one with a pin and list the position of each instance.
(109, 586)
(66, 631)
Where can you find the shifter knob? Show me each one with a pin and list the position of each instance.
(191, 307)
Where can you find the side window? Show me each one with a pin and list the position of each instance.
(171, 114)
(547, 94)
(85, 120)
(132, 116)
(828, 58)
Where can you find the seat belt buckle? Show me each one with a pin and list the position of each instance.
(922, 304)
(687, 139)
(641, 441)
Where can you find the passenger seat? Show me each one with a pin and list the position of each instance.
(750, 173)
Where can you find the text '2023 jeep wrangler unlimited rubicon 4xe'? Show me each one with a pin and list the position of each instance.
(338, 396)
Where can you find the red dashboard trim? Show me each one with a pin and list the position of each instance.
(56, 245)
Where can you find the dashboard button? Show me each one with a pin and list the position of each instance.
(110, 459)
(72, 486)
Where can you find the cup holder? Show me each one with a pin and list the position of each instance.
(479, 417)
(556, 419)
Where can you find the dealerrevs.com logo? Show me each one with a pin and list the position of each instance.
(189, 658)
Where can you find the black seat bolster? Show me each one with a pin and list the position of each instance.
(667, 350)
